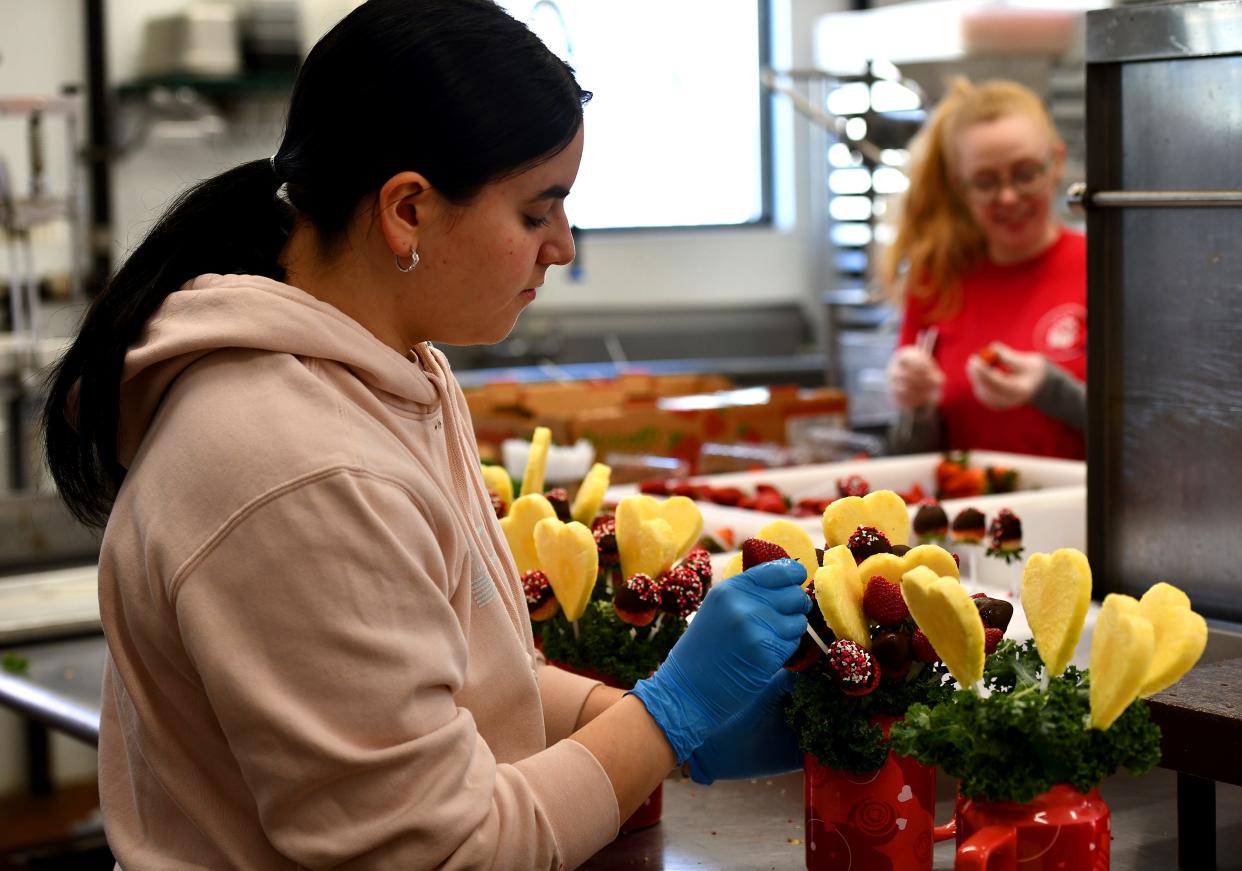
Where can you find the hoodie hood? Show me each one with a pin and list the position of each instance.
(213, 312)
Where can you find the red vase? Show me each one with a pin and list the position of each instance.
(648, 813)
(1061, 828)
(881, 821)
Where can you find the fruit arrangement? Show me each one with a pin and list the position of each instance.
(1043, 721)
(876, 640)
(607, 592)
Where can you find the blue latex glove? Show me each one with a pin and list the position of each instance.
(743, 633)
(757, 741)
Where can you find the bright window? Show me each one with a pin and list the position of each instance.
(674, 131)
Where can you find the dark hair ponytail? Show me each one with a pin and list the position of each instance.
(455, 89)
(230, 223)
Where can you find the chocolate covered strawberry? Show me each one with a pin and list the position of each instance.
(930, 523)
(852, 485)
(867, 541)
(637, 600)
(1005, 536)
(681, 591)
(969, 526)
(604, 530)
(540, 600)
(853, 669)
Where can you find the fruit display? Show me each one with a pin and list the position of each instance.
(953, 478)
(608, 592)
(1043, 722)
(866, 652)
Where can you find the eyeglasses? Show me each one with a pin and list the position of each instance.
(1024, 179)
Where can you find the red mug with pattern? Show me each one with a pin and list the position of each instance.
(881, 821)
(1060, 829)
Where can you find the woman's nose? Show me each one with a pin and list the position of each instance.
(559, 250)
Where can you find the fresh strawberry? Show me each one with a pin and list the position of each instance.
(991, 639)
(979, 596)
(772, 503)
(684, 488)
(756, 551)
(923, 650)
(853, 485)
(654, 487)
(992, 357)
(1000, 480)
(914, 495)
(882, 602)
(725, 536)
(726, 495)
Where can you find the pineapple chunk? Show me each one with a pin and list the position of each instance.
(537, 461)
(935, 558)
(519, 529)
(1180, 634)
(1056, 591)
(645, 543)
(732, 567)
(944, 611)
(569, 557)
(839, 593)
(886, 565)
(591, 494)
(883, 509)
(680, 512)
(496, 479)
(1121, 654)
(796, 542)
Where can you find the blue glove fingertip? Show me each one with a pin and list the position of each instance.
(778, 573)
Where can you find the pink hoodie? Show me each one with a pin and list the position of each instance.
(319, 649)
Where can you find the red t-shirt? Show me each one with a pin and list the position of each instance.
(1037, 305)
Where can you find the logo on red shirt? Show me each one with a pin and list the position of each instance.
(1061, 334)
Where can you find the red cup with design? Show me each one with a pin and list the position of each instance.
(879, 821)
(1061, 828)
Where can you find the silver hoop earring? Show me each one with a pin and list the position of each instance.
(413, 261)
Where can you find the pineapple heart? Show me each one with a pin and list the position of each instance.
(569, 557)
(1056, 591)
(883, 509)
(795, 540)
(839, 593)
(496, 479)
(519, 529)
(646, 544)
(944, 611)
(537, 461)
(591, 494)
(1180, 636)
(1121, 654)
(893, 568)
(680, 512)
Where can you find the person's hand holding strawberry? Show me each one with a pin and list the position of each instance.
(1002, 378)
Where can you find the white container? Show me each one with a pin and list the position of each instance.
(566, 464)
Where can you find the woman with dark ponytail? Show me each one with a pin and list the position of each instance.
(319, 650)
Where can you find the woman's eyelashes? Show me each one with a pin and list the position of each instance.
(535, 222)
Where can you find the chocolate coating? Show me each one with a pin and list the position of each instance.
(995, 613)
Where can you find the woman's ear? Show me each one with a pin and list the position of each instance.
(403, 204)
(1058, 162)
